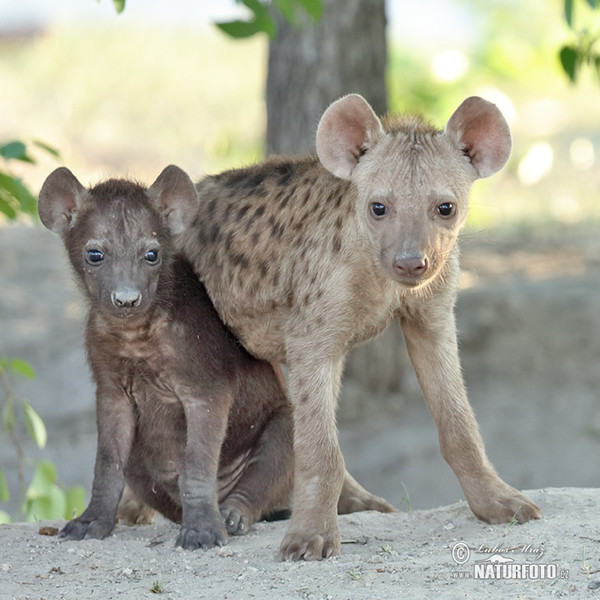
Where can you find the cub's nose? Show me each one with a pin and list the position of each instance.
(126, 298)
(412, 266)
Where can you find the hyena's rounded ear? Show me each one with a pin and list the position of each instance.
(480, 131)
(60, 199)
(174, 195)
(348, 129)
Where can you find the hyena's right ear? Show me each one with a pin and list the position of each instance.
(174, 196)
(60, 199)
(347, 129)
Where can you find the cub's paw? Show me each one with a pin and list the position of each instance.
(315, 546)
(202, 536)
(235, 521)
(86, 528)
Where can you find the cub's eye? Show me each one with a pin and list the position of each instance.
(378, 209)
(447, 209)
(151, 256)
(94, 256)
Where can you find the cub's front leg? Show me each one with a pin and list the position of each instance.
(202, 525)
(116, 426)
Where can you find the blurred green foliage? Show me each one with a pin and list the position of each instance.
(119, 5)
(583, 50)
(43, 498)
(262, 20)
(15, 197)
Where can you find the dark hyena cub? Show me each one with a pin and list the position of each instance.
(186, 417)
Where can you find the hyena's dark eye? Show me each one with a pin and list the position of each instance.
(151, 256)
(378, 209)
(447, 209)
(94, 256)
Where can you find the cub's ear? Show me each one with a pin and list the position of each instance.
(60, 199)
(348, 129)
(175, 197)
(480, 131)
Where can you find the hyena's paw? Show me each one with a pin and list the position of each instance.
(236, 522)
(87, 528)
(132, 511)
(357, 503)
(355, 498)
(192, 538)
(202, 528)
(310, 546)
(504, 504)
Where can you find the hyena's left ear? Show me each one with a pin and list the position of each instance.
(60, 199)
(478, 129)
(174, 195)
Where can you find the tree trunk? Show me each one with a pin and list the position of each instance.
(313, 65)
(310, 67)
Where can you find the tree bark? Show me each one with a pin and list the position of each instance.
(312, 65)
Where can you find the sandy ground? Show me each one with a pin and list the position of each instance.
(436, 553)
(529, 327)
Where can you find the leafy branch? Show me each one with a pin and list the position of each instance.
(261, 19)
(43, 498)
(15, 197)
(583, 50)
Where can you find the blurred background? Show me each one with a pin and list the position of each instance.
(126, 94)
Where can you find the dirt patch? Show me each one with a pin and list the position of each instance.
(442, 553)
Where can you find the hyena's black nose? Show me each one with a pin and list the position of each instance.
(126, 298)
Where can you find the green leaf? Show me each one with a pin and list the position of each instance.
(48, 507)
(4, 493)
(4, 518)
(119, 6)
(7, 208)
(13, 150)
(9, 421)
(49, 149)
(35, 426)
(287, 9)
(569, 12)
(43, 479)
(240, 29)
(22, 367)
(75, 498)
(261, 22)
(15, 189)
(593, 3)
(569, 59)
(314, 8)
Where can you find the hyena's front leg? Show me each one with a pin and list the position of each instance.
(319, 469)
(206, 420)
(433, 350)
(116, 426)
